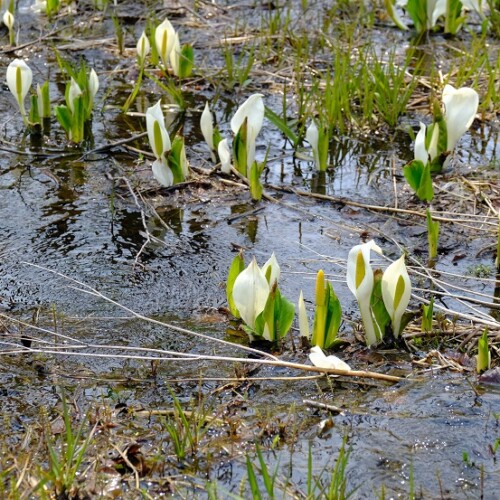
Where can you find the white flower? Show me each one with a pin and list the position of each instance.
(93, 83)
(272, 268)
(360, 281)
(250, 293)
(183, 161)
(252, 110)
(19, 77)
(74, 92)
(8, 19)
(319, 359)
(143, 47)
(225, 156)
(175, 55)
(162, 172)
(164, 40)
(159, 139)
(460, 110)
(312, 137)
(473, 5)
(207, 129)
(303, 319)
(435, 9)
(396, 292)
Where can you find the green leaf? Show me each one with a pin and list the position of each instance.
(45, 105)
(217, 137)
(432, 235)
(267, 317)
(175, 159)
(235, 269)
(286, 314)
(186, 61)
(34, 114)
(389, 6)
(256, 188)
(442, 146)
(240, 149)
(407, 317)
(419, 178)
(63, 115)
(380, 314)
(78, 120)
(323, 147)
(334, 317)
(278, 315)
(417, 10)
(252, 481)
(283, 125)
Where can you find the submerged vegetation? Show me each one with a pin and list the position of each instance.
(243, 114)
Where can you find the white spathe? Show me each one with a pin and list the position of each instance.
(396, 292)
(460, 107)
(184, 161)
(312, 137)
(74, 93)
(175, 55)
(162, 172)
(93, 83)
(252, 110)
(360, 281)
(419, 150)
(207, 129)
(8, 19)
(318, 358)
(156, 120)
(225, 156)
(272, 263)
(250, 293)
(143, 47)
(303, 319)
(164, 40)
(435, 9)
(19, 77)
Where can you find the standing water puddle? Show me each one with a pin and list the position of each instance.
(87, 218)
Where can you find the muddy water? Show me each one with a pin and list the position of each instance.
(77, 216)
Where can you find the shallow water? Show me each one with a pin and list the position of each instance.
(77, 216)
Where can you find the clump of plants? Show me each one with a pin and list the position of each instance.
(382, 297)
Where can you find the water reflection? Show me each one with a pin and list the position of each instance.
(244, 217)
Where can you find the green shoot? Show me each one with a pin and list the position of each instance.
(432, 235)
(237, 266)
(483, 358)
(64, 466)
(427, 315)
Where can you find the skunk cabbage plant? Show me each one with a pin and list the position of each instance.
(360, 280)
(396, 292)
(258, 300)
(19, 77)
(246, 124)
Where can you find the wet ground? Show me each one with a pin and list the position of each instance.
(87, 217)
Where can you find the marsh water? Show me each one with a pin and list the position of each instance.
(86, 217)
